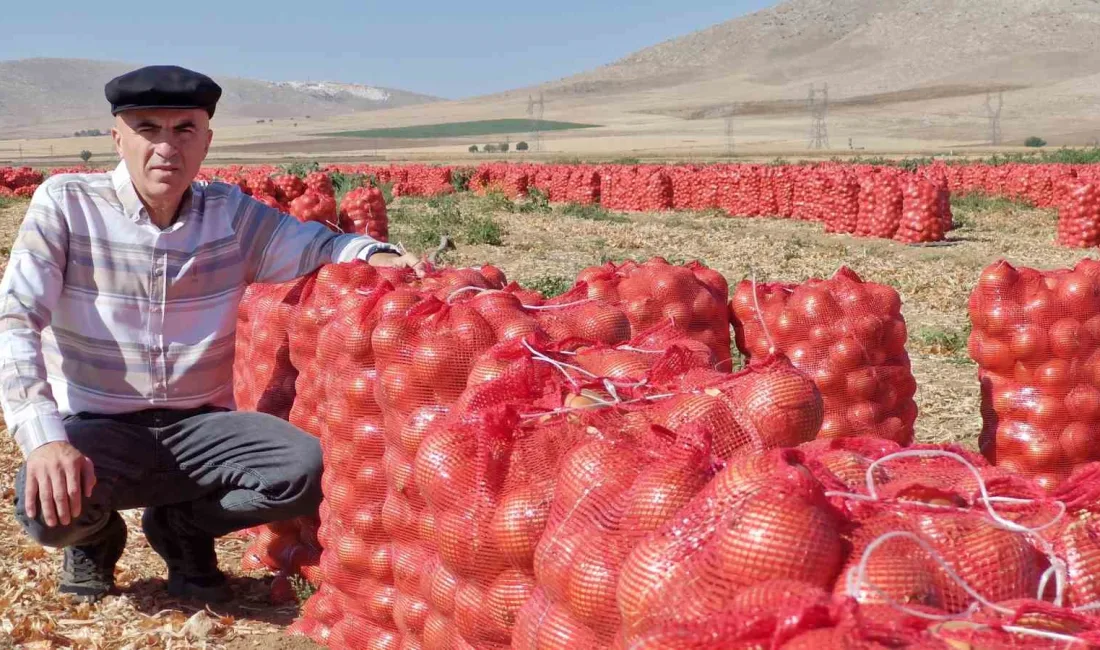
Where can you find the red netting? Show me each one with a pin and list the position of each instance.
(645, 188)
(1022, 624)
(611, 490)
(288, 187)
(363, 211)
(762, 518)
(315, 206)
(651, 294)
(1034, 338)
(263, 380)
(848, 336)
(761, 616)
(263, 377)
(766, 405)
(923, 217)
(349, 316)
(1079, 217)
(843, 206)
(881, 205)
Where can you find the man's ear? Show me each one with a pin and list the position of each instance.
(116, 136)
(209, 139)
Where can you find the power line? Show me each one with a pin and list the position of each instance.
(818, 105)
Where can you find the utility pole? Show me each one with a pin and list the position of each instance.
(994, 115)
(818, 105)
(534, 113)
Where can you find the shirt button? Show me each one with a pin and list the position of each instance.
(154, 308)
(158, 271)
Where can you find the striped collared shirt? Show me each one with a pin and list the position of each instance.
(101, 311)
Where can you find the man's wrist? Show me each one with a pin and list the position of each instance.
(380, 247)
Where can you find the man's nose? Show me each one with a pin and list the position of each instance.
(166, 149)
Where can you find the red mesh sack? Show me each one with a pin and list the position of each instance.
(1079, 217)
(1021, 624)
(848, 336)
(575, 314)
(263, 377)
(843, 214)
(768, 404)
(332, 291)
(357, 556)
(761, 616)
(314, 206)
(922, 218)
(288, 187)
(665, 349)
(320, 183)
(363, 211)
(263, 380)
(915, 554)
(1077, 543)
(869, 628)
(424, 359)
(888, 208)
(692, 297)
(1034, 338)
(762, 518)
(611, 490)
(880, 205)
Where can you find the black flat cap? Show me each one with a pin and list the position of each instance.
(162, 86)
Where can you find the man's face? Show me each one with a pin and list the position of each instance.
(163, 148)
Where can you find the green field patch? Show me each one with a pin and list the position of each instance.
(464, 129)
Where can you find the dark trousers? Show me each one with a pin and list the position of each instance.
(221, 470)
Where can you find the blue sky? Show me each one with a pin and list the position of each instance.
(445, 47)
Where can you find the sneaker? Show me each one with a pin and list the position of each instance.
(88, 572)
(192, 562)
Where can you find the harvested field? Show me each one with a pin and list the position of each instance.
(545, 247)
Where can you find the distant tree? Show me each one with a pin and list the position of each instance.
(503, 147)
(1035, 141)
(85, 156)
(521, 146)
(473, 148)
(489, 148)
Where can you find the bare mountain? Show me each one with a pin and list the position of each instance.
(872, 46)
(42, 92)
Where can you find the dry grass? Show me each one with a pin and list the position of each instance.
(548, 248)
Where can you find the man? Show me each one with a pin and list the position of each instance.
(117, 317)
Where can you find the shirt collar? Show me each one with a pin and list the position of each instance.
(132, 206)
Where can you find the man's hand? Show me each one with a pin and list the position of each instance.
(400, 261)
(58, 473)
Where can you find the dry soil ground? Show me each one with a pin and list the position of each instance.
(547, 249)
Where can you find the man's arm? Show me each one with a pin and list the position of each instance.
(56, 472)
(279, 248)
(29, 292)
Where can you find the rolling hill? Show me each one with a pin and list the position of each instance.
(45, 92)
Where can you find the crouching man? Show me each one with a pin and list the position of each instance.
(117, 317)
